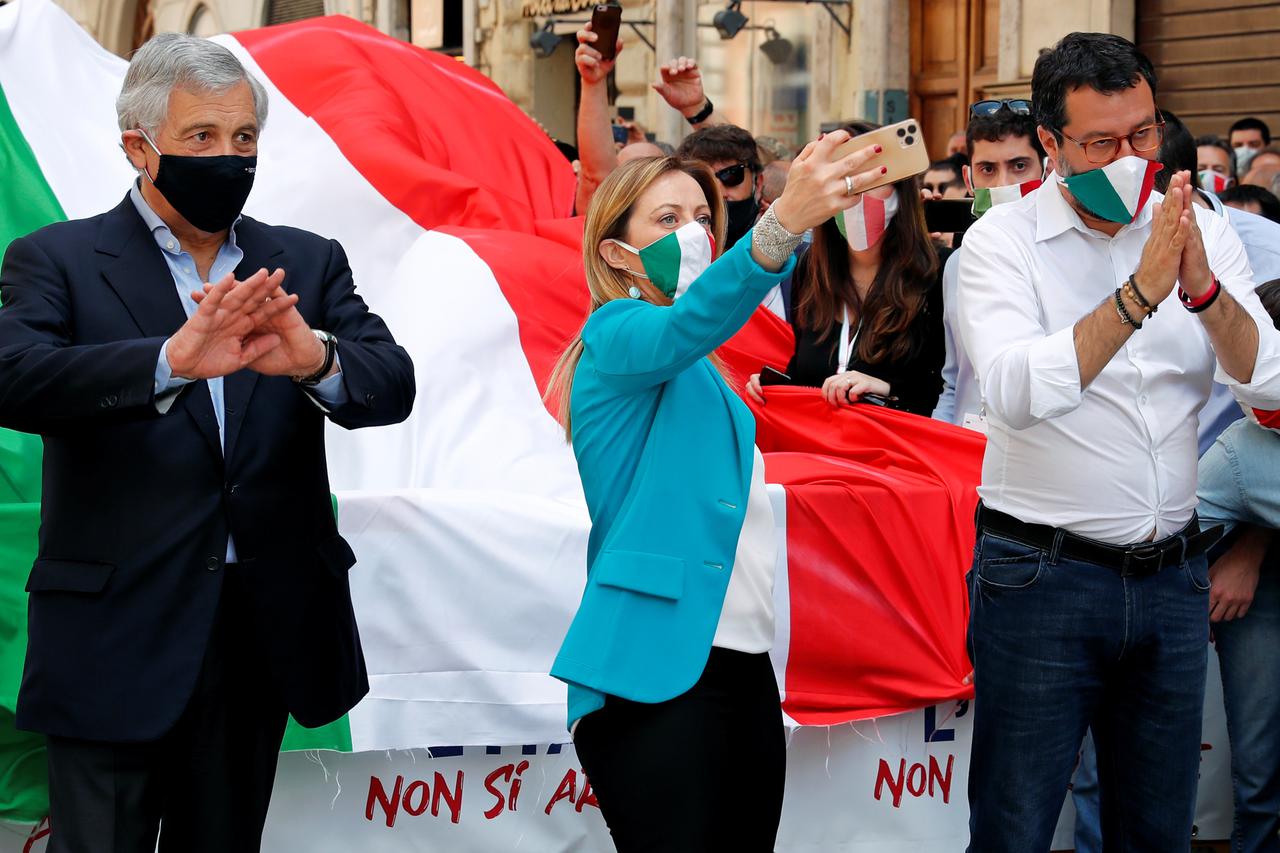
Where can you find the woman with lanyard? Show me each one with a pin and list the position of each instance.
(667, 656)
(866, 304)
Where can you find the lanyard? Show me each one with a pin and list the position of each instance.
(846, 343)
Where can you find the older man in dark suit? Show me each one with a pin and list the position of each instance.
(191, 586)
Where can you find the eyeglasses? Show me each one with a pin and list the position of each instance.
(1105, 148)
(989, 108)
(731, 176)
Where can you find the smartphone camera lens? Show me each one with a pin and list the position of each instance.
(910, 140)
(901, 132)
(911, 128)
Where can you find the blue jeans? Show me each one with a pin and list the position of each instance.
(1240, 482)
(1084, 795)
(1059, 644)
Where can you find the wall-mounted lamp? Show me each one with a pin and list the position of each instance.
(729, 20)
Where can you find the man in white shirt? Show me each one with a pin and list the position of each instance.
(1089, 589)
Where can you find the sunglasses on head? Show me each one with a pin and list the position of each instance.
(1018, 106)
(731, 176)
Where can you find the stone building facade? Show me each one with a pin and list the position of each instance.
(794, 65)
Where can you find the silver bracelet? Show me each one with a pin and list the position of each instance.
(774, 242)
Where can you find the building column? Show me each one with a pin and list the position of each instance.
(880, 61)
(673, 37)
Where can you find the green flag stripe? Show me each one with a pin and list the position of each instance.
(26, 204)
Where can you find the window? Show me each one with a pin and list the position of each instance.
(284, 11)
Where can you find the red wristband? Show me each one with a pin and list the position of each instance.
(1201, 302)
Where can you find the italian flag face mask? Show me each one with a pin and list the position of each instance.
(865, 223)
(985, 198)
(1118, 191)
(673, 262)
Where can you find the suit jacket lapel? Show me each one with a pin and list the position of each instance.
(135, 269)
(260, 250)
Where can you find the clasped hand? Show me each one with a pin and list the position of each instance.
(238, 324)
(1174, 252)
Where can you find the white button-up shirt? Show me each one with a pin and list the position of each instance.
(1115, 461)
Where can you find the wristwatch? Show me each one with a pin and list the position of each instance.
(702, 114)
(330, 352)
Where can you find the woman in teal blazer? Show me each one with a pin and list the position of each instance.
(667, 657)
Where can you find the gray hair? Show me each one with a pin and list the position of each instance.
(174, 61)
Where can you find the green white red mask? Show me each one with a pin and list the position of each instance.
(1214, 182)
(864, 224)
(672, 263)
(1118, 191)
(985, 198)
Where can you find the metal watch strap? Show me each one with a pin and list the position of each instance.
(330, 353)
(774, 242)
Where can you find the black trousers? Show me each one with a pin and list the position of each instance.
(701, 772)
(205, 785)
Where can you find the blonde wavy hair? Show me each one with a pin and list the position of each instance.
(607, 219)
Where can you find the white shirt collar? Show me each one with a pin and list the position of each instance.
(1055, 216)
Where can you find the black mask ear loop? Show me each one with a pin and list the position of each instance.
(143, 170)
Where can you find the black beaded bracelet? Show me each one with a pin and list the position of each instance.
(702, 114)
(1124, 312)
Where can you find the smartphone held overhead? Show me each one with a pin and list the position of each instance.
(606, 19)
(904, 154)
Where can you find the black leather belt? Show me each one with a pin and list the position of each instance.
(1145, 558)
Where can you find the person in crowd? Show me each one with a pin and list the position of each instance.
(1247, 137)
(1263, 168)
(1089, 590)
(1251, 199)
(866, 304)
(773, 182)
(772, 150)
(1215, 164)
(944, 180)
(732, 155)
(639, 151)
(1007, 163)
(956, 144)
(597, 152)
(1261, 240)
(1237, 485)
(179, 616)
(667, 656)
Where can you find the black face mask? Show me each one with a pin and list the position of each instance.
(209, 192)
(742, 215)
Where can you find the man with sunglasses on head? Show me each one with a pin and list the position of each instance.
(1006, 163)
(1089, 592)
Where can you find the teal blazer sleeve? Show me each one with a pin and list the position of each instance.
(635, 345)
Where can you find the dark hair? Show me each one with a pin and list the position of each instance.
(1106, 63)
(1177, 152)
(721, 142)
(1211, 141)
(1002, 124)
(947, 165)
(908, 265)
(1269, 294)
(1245, 193)
(1251, 123)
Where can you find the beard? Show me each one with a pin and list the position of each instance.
(1064, 170)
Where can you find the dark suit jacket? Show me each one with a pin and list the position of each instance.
(137, 505)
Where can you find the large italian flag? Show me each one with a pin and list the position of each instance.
(468, 519)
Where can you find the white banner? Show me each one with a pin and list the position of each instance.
(895, 785)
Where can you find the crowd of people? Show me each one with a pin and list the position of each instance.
(1096, 584)
(1121, 447)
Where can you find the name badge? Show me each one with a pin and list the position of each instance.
(975, 421)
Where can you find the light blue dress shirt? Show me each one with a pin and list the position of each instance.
(186, 278)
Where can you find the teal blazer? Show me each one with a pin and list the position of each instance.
(665, 450)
